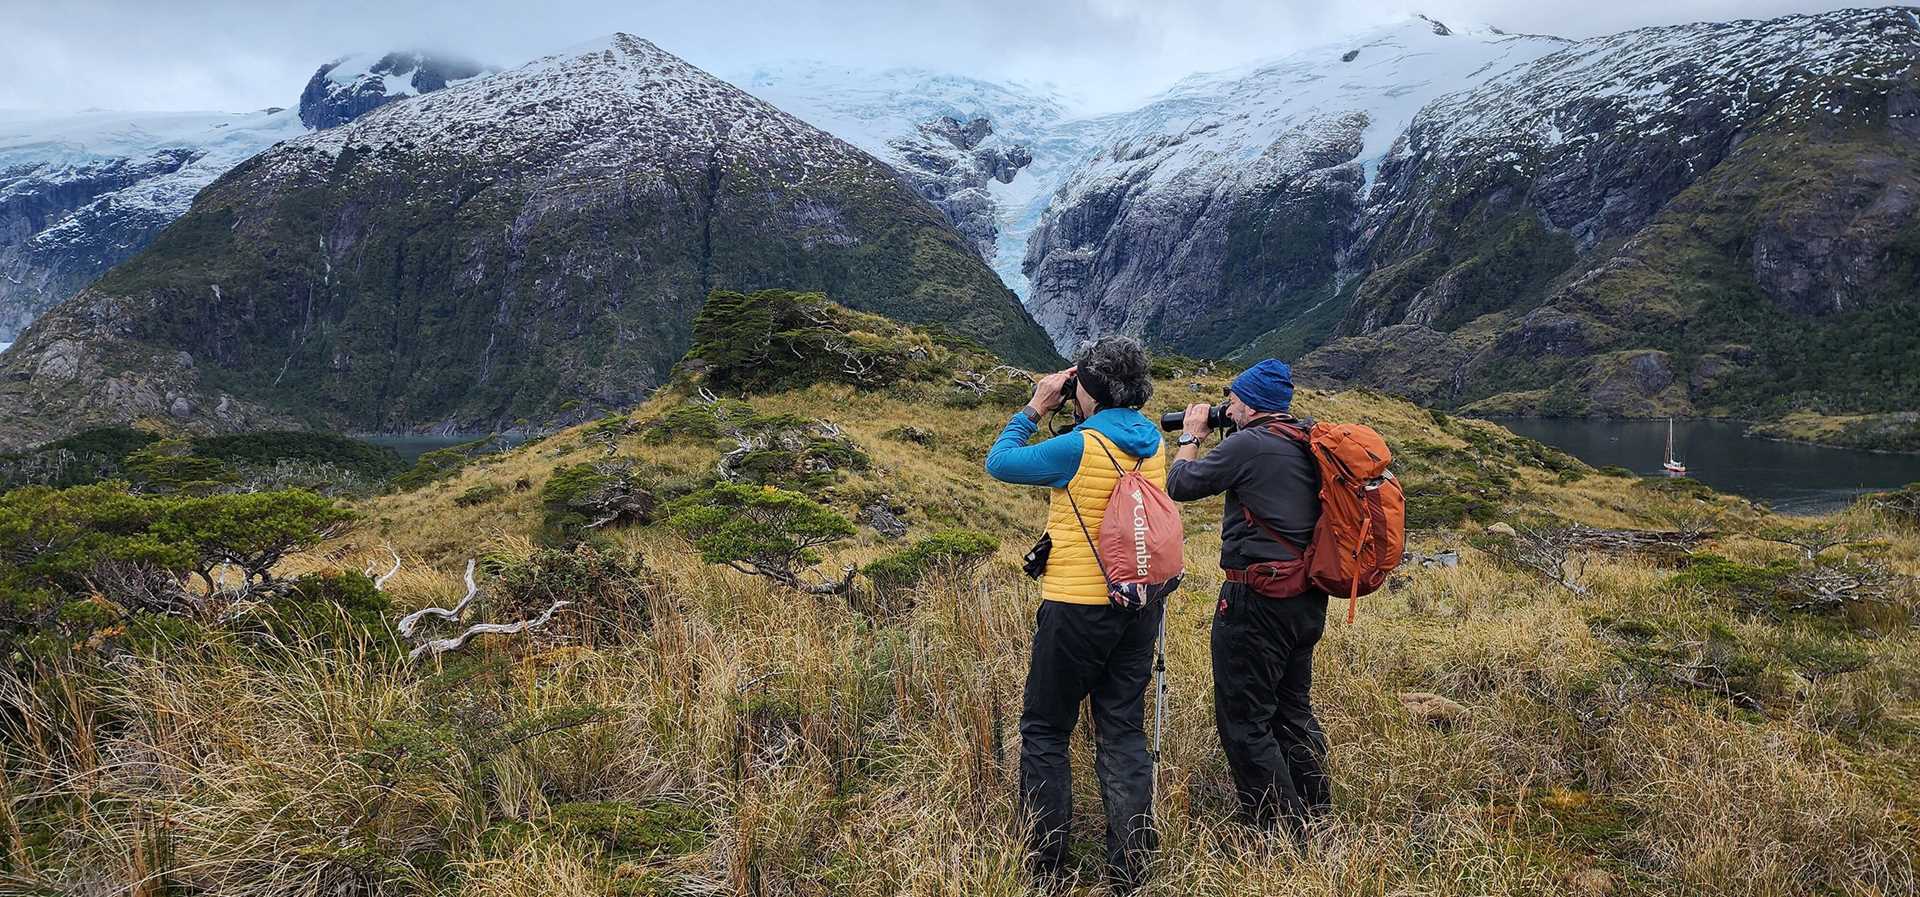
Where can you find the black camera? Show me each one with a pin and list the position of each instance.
(1216, 419)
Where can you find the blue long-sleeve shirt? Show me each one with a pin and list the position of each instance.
(1053, 462)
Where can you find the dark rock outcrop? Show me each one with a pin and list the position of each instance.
(352, 86)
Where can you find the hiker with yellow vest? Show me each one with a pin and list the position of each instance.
(1103, 568)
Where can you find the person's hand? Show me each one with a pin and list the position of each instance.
(1196, 422)
(1047, 394)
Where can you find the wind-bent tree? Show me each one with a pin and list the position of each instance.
(763, 531)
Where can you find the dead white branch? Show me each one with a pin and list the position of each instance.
(380, 582)
(437, 647)
(452, 615)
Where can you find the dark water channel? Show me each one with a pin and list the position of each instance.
(1789, 477)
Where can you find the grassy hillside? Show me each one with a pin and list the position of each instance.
(1665, 726)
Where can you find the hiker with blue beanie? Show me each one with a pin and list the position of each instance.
(1262, 646)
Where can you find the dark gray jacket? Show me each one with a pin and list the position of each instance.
(1271, 475)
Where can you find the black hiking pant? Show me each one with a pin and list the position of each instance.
(1262, 677)
(1106, 653)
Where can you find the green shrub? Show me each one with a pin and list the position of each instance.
(439, 464)
(588, 496)
(954, 550)
(703, 420)
(1676, 487)
(778, 339)
(170, 465)
(1714, 573)
(333, 607)
(762, 531)
(479, 494)
(105, 545)
(626, 830)
(911, 433)
(88, 456)
(269, 447)
(1172, 365)
(1614, 470)
(1902, 506)
(607, 595)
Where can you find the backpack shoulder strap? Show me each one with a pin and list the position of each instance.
(1091, 545)
(1298, 431)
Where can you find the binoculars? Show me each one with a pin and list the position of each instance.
(1216, 419)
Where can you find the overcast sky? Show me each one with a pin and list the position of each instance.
(246, 54)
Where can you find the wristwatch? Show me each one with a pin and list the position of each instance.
(1188, 439)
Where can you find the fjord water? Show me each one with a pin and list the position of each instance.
(1789, 477)
(411, 447)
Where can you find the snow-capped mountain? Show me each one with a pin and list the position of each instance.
(1707, 218)
(532, 245)
(988, 153)
(1150, 237)
(81, 192)
(354, 85)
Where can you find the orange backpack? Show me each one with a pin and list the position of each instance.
(1362, 532)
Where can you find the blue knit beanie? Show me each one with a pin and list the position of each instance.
(1267, 386)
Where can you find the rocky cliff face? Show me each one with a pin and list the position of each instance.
(38, 267)
(522, 248)
(953, 164)
(1659, 221)
(988, 154)
(1699, 219)
(80, 193)
(1227, 205)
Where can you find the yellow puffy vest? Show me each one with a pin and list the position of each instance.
(1073, 576)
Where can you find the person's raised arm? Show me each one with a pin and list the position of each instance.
(1049, 463)
(1192, 478)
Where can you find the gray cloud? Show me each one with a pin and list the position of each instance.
(241, 54)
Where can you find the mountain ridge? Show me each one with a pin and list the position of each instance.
(478, 257)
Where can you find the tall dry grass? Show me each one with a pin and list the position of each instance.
(831, 754)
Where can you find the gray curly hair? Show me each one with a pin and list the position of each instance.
(1115, 371)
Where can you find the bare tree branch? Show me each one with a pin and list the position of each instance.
(380, 582)
(452, 615)
(437, 647)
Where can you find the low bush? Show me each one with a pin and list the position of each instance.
(583, 497)
(170, 555)
(329, 608)
(439, 464)
(1902, 506)
(778, 339)
(480, 494)
(953, 550)
(762, 531)
(607, 595)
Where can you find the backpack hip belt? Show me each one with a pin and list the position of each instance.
(1273, 579)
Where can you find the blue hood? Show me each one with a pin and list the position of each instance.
(1129, 429)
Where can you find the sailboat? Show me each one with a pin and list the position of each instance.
(1672, 465)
